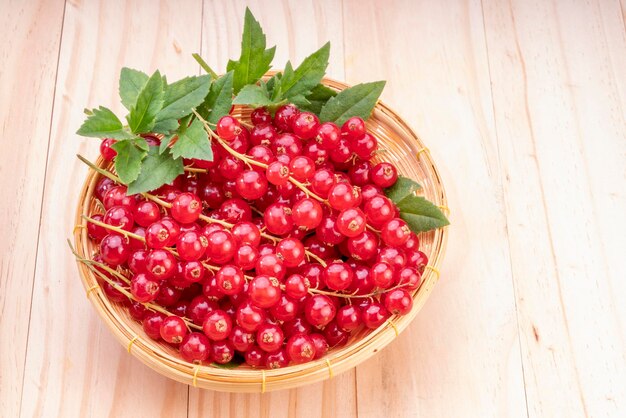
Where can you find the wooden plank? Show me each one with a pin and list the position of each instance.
(461, 355)
(29, 55)
(558, 82)
(74, 366)
(298, 28)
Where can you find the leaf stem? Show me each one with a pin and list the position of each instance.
(205, 66)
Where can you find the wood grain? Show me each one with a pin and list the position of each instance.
(557, 71)
(523, 106)
(28, 65)
(74, 366)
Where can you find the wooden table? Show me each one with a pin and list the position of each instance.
(523, 106)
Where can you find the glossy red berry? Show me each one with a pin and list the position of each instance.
(228, 127)
(246, 233)
(302, 168)
(96, 232)
(222, 352)
(270, 265)
(264, 291)
(270, 337)
(255, 357)
(410, 278)
(241, 339)
(338, 275)
(364, 246)
(398, 302)
(195, 348)
(341, 153)
(137, 261)
(382, 274)
(260, 116)
(287, 144)
(290, 251)
(173, 229)
(152, 324)
(235, 210)
(393, 256)
(114, 249)
(395, 232)
(300, 349)
(144, 288)
(353, 128)
(349, 317)
(328, 135)
(277, 359)
(364, 146)
(246, 257)
(319, 310)
(230, 280)
(335, 335)
(173, 330)
(251, 184)
(322, 181)
(321, 345)
(305, 125)
(186, 208)
(342, 196)
(351, 222)
(379, 210)
(277, 173)
(278, 219)
(374, 315)
(221, 247)
(384, 174)
(283, 119)
(191, 245)
(359, 173)
(286, 309)
(116, 196)
(217, 325)
(296, 286)
(250, 317)
(327, 231)
(263, 135)
(146, 213)
(161, 264)
(107, 152)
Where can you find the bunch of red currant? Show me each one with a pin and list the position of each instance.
(277, 250)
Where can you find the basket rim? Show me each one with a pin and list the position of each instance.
(254, 380)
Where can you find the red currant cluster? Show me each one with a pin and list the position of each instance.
(275, 251)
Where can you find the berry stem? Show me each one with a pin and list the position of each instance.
(354, 296)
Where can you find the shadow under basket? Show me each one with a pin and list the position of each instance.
(399, 145)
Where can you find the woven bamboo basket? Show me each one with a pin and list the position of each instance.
(402, 147)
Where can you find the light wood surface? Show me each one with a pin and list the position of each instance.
(523, 106)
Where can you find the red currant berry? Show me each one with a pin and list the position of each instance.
(379, 210)
(186, 208)
(398, 302)
(173, 330)
(351, 222)
(96, 232)
(195, 348)
(168, 295)
(322, 181)
(228, 127)
(191, 245)
(286, 309)
(217, 325)
(375, 315)
(393, 256)
(255, 357)
(146, 213)
(222, 352)
(199, 308)
(353, 128)
(369, 191)
(250, 317)
(137, 261)
(349, 317)
(321, 345)
(359, 173)
(277, 359)
(341, 153)
(161, 264)
(307, 213)
(319, 310)
(193, 271)
(417, 259)
(384, 175)
(278, 219)
(290, 251)
(296, 286)
(103, 186)
(112, 288)
(395, 233)
(335, 336)
(287, 144)
(328, 135)
(114, 249)
(283, 119)
(338, 275)
(107, 152)
(246, 257)
(300, 349)
(316, 153)
(409, 278)
(230, 167)
(137, 310)
(173, 229)
(230, 280)
(305, 125)
(270, 265)
(262, 154)
(270, 337)
(241, 339)
(212, 196)
(412, 244)
(157, 235)
(152, 324)
(260, 116)
(116, 196)
(382, 275)
(263, 135)
(221, 247)
(328, 233)
(277, 173)
(246, 233)
(251, 184)
(264, 291)
(363, 246)
(364, 147)
(342, 196)
(302, 168)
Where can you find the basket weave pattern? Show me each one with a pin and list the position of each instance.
(402, 147)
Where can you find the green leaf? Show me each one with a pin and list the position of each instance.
(403, 187)
(255, 60)
(131, 83)
(306, 76)
(130, 153)
(193, 142)
(253, 95)
(358, 100)
(204, 65)
(149, 102)
(182, 96)
(316, 99)
(420, 214)
(219, 100)
(102, 123)
(165, 126)
(156, 170)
